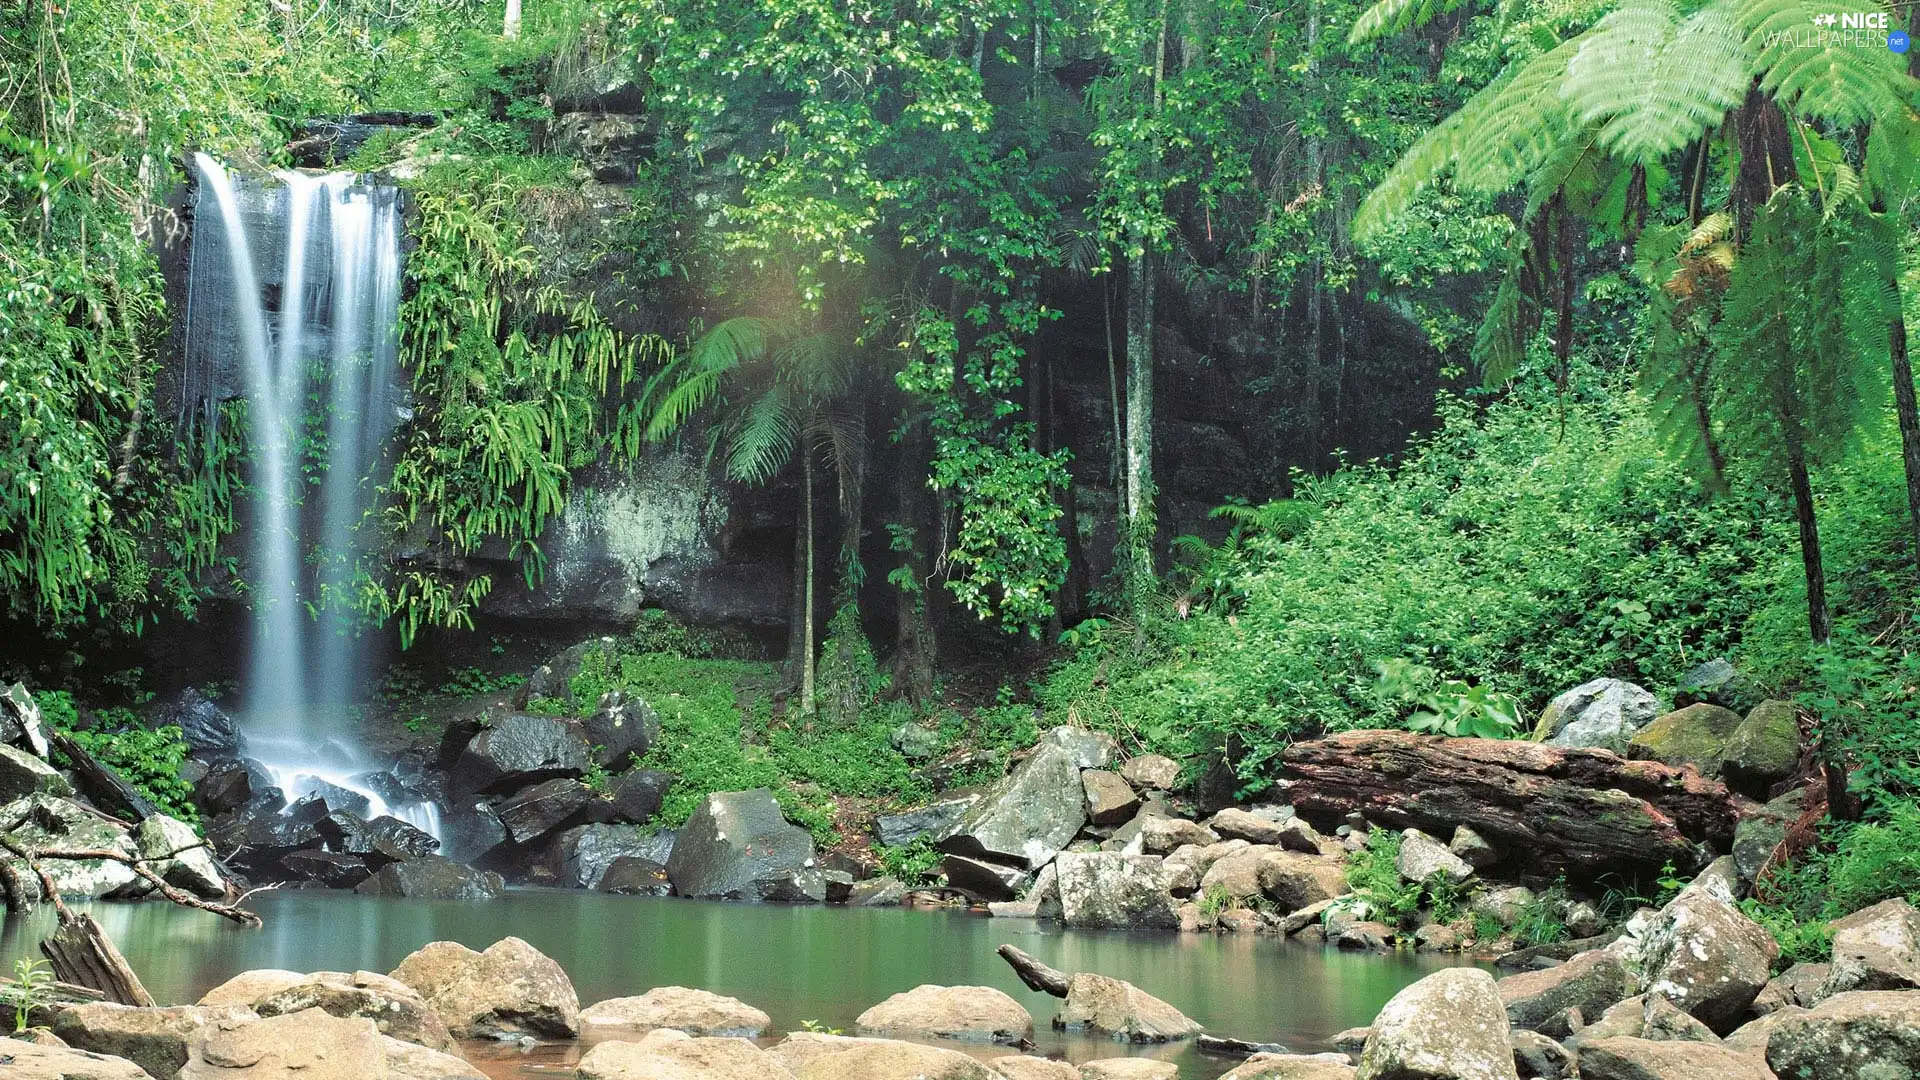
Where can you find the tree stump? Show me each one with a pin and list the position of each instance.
(82, 954)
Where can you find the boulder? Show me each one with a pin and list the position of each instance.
(738, 846)
(1702, 954)
(1450, 1025)
(519, 750)
(385, 839)
(333, 869)
(1202, 858)
(411, 1061)
(696, 1012)
(1045, 892)
(310, 1045)
(988, 881)
(877, 892)
(1152, 772)
(1753, 1036)
(1762, 829)
(621, 730)
(1718, 682)
(1111, 891)
(1763, 750)
(533, 813)
(582, 855)
(42, 822)
(553, 678)
(1626, 1058)
(1798, 986)
(155, 1039)
(36, 1061)
(975, 1013)
(1166, 835)
(1129, 1069)
(1472, 848)
(510, 989)
(1033, 1068)
(1121, 1011)
(1537, 1057)
(180, 857)
(1865, 1033)
(1293, 1067)
(1237, 875)
(1234, 823)
(1696, 735)
(674, 1055)
(1580, 811)
(916, 742)
(885, 1059)
(1583, 920)
(1875, 948)
(395, 1009)
(314, 798)
(934, 819)
(229, 785)
(1295, 882)
(22, 774)
(20, 722)
(638, 795)
(1422, 859)
(629, 876)
(210, 732)
(433, 877)
(1034, 812)
(1110, 799)
(1501, 905)
(1602, 714)
(1363, 935)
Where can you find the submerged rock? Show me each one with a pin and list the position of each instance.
(432, 877)
(979, 1013)
(1293, 1067)
(510, 989)
(738, 846)
(674, 1055)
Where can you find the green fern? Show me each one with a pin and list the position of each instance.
(1393, 16)
(1820, 76)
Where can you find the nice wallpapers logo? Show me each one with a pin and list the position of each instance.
(1846, 29)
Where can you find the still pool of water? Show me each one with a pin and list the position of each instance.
(801, 964)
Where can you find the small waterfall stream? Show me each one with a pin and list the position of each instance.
(309, 312)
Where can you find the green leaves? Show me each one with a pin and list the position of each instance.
(1820, 73)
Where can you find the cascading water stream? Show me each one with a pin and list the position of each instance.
(317, 388)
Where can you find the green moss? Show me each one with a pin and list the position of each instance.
(1696, 735)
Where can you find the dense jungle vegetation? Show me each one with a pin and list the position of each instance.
(1660, 256)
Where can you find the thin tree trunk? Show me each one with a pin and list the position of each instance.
(1139, 478)
(1116, 463)
(807, 642)
(1903, 399)
(511, 29)
(1819, 620)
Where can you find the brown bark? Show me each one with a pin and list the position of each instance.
(1579, 811)
(1035, 974)
(1819, 619)
(82, 954)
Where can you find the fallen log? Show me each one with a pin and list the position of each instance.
(1551, 810)
(108, 789)
(1035, 974)
(81, 953)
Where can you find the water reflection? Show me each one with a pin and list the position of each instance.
(799, 963)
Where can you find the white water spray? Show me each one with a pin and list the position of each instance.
(318, 416)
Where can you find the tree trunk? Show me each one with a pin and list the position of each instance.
(1139, 478)
(81, 954)
(806, 637)
(1038, 976)
(913, 637)
(1903, 400)
(511, 29)
(1819, 620)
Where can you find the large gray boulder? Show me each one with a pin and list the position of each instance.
(511, 989)
(209, 731)
(1591, 982)
(395, 1008)
(1718, 682)
(638, 795)
(1121, 1010)
(1450, 1025)
(582, 855)
(1111, 891)
(1864, 1035)
(738, 846)
(42, 822)
(1422, 859)
(1628, 1058)
(1763, 750)
(311, 1044)
(519, 750)
(1875, 948)
(621, 729)
(1697, 735)
(155, 1039)
(180, 857)
(933, 819)
(1702, 954)
(679, 1008)
(432, 877)
(1604, 713)
(1035, 812)
(20, 722)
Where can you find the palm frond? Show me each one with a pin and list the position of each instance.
(763, 438)
(692, 380)
(1393, 16)
(1817, 74)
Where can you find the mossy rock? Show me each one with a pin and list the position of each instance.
(1764, 749)
(1697, 735)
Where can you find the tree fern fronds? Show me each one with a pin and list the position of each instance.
(1424, 162)
(763, 439)
(1656, 81)
(1818, 74)
(1393, 16)
(1517, 127)
(1500, 345)
(1892, 172)
(1576, 169)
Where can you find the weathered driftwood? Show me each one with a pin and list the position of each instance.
(108, 789)
(1551, 809)
(82, 954)
(1035, 974)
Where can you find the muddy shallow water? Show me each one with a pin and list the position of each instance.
(801, 964)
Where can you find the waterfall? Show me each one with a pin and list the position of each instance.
(317, 377)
